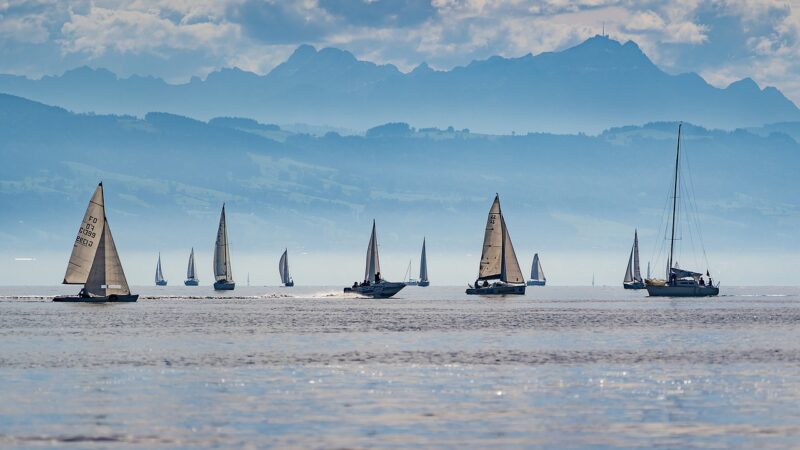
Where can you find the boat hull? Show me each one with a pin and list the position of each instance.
(412, 283)
(424, 283)
(224, 285)
(191, 283)
(682, 291)
(380, 290)
(161, 283)
(108, 299)
(634, 285)
(289, 284)
(536, 283)
(497, 290)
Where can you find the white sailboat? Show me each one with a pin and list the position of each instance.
(633, 276)
(537, 274)
(283, 268)
(191, 274)
(407, 277)
(498, 259)
(679, 282)
(374, 285)
(94, 261)
(160, 281)
(423, 268)
(222, 257)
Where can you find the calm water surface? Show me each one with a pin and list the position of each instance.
(309, 368)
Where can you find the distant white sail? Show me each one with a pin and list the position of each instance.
(423, 264)
(637, 274)
(373, 261)
(629, 270)
(537, 274)
(491, 256)
(283, 267)
(106, 276)
(190, 272)
(159, 275)
(222, 256)
(87, 242)
(511, 272)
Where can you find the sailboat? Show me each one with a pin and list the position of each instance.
(498, 259)
(423, 268)
(283, 268)
(537, 274)
(222, 258)
(94, 261)
(191, 274)
(679, 282)
(374, 285)
(407, 278)
(633, 276)
(160, 281)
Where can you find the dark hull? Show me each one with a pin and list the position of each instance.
(289, 284)
(536, 283)
(191, 283)
(498, 290)
(633, 285)
(424, 283)
(161, 283)
(224, 285)
(380, 290)
(682, 291)
(110, 299)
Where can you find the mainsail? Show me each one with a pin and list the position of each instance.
(106, 276)
(637, 274)
(190, 272)
(222, 256)
(159, 275)
(373, 262)
(498, 259)
(423, 264)
(629, 270)
(283, 267)
(537, 274)
(86, 244)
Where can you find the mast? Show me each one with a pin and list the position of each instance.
(674, 201)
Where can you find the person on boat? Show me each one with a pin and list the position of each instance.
(377, 277)
(355, 284)
(671, 278)
(485, 283)
(83, 293)
(702, 281)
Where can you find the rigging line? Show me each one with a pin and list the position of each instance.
(693, 203)
(660, 249)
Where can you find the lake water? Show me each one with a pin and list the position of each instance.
(309, 368)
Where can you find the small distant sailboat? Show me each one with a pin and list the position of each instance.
(191, 274)
(679, 282)
(633, 276)
(537, 274)
(423, 268)
(94, 261)
(160, 281)
(407, 278)
(374, 285)
(222, 258)
(498, 259)
(283, 268)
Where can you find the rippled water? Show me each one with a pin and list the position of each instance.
(309, 368)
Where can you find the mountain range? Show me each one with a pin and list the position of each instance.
(595, 85)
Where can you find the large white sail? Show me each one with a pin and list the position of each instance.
(159, 274)
(537, 274)
(222, 256)
(190, 272)
(283, 267)
(511, 273)
(423, 264)
(637, 273)
(491, 257)
(88, 240)
(106, 276)
(373, 261)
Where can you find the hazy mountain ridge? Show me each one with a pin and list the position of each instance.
(590, 87)
(167, 175)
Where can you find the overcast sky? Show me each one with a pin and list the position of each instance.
(723, 40)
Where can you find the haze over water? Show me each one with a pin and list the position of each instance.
(309, 368)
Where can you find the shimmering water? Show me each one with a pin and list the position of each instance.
(309, 368)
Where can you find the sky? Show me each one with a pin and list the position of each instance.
(722, 40)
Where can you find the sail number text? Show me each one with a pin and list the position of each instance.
(86, 233)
